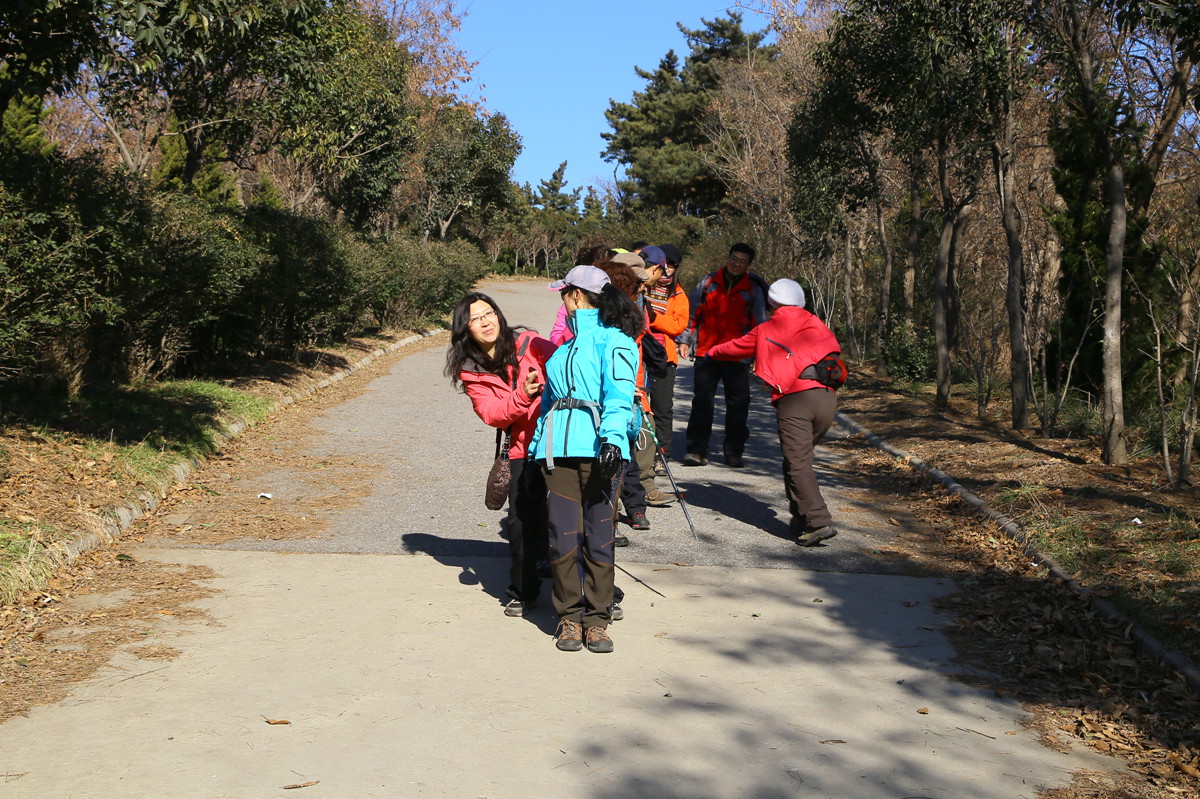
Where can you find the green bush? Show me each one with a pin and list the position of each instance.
(41, 290)
(910, 356)
(419, 282)
(103, 281)
(306, 293)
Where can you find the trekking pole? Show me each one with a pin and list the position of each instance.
(678, 493)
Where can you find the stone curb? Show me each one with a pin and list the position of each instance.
(1146, 642)
(108, 524)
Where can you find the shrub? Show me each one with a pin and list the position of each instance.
(421, 281)
(910, 356)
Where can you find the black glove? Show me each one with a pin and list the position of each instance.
(609, 460)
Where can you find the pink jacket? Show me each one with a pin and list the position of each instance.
(782, 347)
(560, 334)
(498, 404)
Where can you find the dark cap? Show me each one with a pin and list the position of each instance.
(654, 256)
(672, 252)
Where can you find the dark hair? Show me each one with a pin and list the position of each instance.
(588, 256)
(463, 352)
(637, 245)
(622, 276)
(616, 310)
(743, 248)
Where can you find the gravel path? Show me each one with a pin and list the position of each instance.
(434, 453)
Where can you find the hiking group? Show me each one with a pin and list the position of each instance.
(587, 413)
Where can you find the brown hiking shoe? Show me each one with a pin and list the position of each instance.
(659, 499)
(569, 636)
(598, 640)
(814, 537)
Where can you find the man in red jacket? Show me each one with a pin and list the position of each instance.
(724, 305)
(783, 347)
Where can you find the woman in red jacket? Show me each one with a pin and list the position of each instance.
(503, 370)
(782, 348)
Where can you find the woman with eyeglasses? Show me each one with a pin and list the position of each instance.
(502, 370)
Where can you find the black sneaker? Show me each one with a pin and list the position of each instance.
(637, 521)
(734, 461)
(695, 459)
(516, 608)
(620, 540)
(814, 537)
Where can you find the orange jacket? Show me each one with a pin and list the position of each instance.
(670, 318)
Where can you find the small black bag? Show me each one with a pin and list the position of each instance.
(654, 356)
(499, 476)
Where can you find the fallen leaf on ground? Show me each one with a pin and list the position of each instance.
(277, 721)
(924, 711)
(299, 785)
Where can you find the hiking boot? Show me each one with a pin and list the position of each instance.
(615, 613)
(734, 461)
(569, 637)
(660, 470)
(598, 640)
(659, 499)
(695, 459)
(516, 608)
(814, 537)
(620, 540)
(637, 521)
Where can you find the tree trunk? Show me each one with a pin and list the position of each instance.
(912, 246)
(885, 292)
(1113, 408)
(1010, 217)
(943, 282)
(848, 285)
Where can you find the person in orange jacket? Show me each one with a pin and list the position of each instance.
(668, 306)
(783, 348)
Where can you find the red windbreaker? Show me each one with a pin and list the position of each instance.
(782, 347)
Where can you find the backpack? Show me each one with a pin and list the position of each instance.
(830, 371)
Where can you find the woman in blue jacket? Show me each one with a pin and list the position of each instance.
(582, 442)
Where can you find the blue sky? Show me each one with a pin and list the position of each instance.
(551, 67)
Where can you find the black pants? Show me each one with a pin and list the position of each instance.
(527, 540)
(662, 405)
(581, 509)
(736, 377)
(633, 493)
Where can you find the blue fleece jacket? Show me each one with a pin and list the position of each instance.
(598, 367)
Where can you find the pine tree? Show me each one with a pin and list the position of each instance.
(21, 127)
(660, 136)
